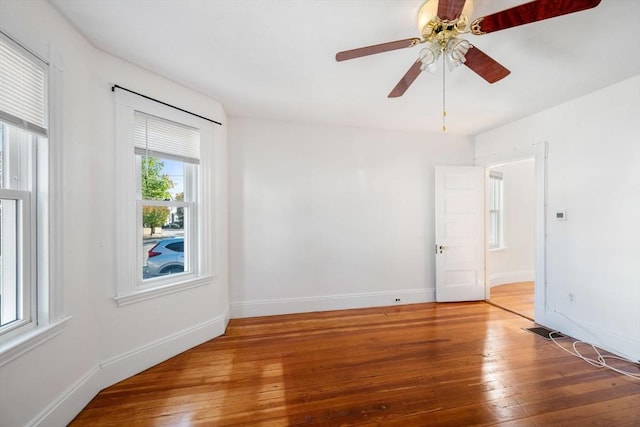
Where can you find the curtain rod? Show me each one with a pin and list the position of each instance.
(114, 87)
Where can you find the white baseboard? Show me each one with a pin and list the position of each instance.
(71, 402)
(511, 277)
(607, 339)
(122, 366)
(330, 302)
(137, 360)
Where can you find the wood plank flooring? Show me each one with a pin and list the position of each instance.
(516, 297)
(454, 364)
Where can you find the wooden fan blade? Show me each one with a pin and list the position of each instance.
(450, 9)
(529, 12)
(485, 66)
(376, 48)
(406, 80)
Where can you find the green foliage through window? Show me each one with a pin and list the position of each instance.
(155, 186)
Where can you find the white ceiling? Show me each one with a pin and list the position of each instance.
(275, 58)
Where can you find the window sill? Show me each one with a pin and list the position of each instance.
(147, 294)
(501, 248)
(28, 341)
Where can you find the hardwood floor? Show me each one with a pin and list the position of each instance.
(516, 297)
(453, 364)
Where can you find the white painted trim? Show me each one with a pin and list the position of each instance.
(29, 340)
(124, 365)
(62, 410)
(151, 293)
(540, 288)
(54, 250)
(77, 396)
(513, 155)
(604, 338)
(539, 152)
(511, 277)
(330, 302)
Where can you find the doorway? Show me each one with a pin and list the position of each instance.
(510, 252)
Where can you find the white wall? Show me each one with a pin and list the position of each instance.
(515, 261)
(594, 175)
(327, 217)
(101, 343)
(322, 217)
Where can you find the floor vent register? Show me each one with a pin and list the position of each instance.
(544, 332)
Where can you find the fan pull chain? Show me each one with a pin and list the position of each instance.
(444, 110)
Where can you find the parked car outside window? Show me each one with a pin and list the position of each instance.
(166, 257)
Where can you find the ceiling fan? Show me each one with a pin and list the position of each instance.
(441, 22)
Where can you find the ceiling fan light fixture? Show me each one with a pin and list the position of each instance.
(456, 50)
(428, 56)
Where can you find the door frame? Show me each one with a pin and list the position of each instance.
(539, 152)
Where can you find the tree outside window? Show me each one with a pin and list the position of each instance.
(155, 186)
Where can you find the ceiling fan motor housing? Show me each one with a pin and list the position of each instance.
(430, 24)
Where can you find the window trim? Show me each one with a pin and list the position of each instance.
(128, 290)
(151, 293)
(500, 243)
(49, 311)
(30, 340)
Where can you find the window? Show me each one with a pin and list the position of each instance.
(167, 158)
(23, 186)
(496, 211)
(17, 220)
(166, 189)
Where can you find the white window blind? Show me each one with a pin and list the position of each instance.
(23, 81)
(153, 136)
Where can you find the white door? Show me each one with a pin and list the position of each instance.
(459, 233)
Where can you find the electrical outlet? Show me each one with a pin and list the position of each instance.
(572, 298)
(397, 299)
